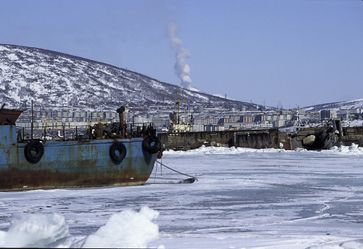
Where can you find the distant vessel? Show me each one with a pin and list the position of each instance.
(176, 124)
(110, 156)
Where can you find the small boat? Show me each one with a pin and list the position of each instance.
(114, 158)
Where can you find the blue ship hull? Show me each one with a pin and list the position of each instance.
(72, 163)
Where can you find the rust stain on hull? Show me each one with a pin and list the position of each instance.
(15, 179)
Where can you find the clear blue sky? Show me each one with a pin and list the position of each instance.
(279, 52)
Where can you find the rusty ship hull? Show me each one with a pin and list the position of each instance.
(72, 163)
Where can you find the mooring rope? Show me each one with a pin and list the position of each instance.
(191, 178)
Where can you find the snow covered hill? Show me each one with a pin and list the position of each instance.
(343, 105)
(57, 79)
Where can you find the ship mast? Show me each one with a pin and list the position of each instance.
(178, 107)
(32, 122)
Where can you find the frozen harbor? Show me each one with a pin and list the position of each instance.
(244, 199)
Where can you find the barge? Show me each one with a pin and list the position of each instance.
(104, 157)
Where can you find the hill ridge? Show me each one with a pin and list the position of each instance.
(57, 78)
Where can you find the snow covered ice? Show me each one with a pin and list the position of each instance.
(126, 229)
(244, 198)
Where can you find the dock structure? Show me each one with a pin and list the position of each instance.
(260, 138)
(266, 138)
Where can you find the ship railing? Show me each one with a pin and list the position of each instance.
(69, 132)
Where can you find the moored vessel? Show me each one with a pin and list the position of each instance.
(105, 156)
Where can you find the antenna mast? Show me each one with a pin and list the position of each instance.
(32, 122)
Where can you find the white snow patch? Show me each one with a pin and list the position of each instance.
(356, 100)
(24, 52)
(128, 229)
(309, 108)
(3, 48)
(14, 94)
(354, 149)
(222, 150)
(12, 57)
(35, 230)
(194, 89)
(4, 67)
(352, 123)
(197, 95)
(157, 85)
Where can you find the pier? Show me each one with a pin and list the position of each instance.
(257, 139)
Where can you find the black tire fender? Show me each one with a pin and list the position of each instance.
(151, 145)
(34, 151)
(117, 152)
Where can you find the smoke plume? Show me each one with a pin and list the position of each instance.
(182, 69)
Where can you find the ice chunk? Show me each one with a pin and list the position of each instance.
(126, 229)
(36, 230)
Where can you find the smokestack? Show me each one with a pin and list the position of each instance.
(182, 68)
